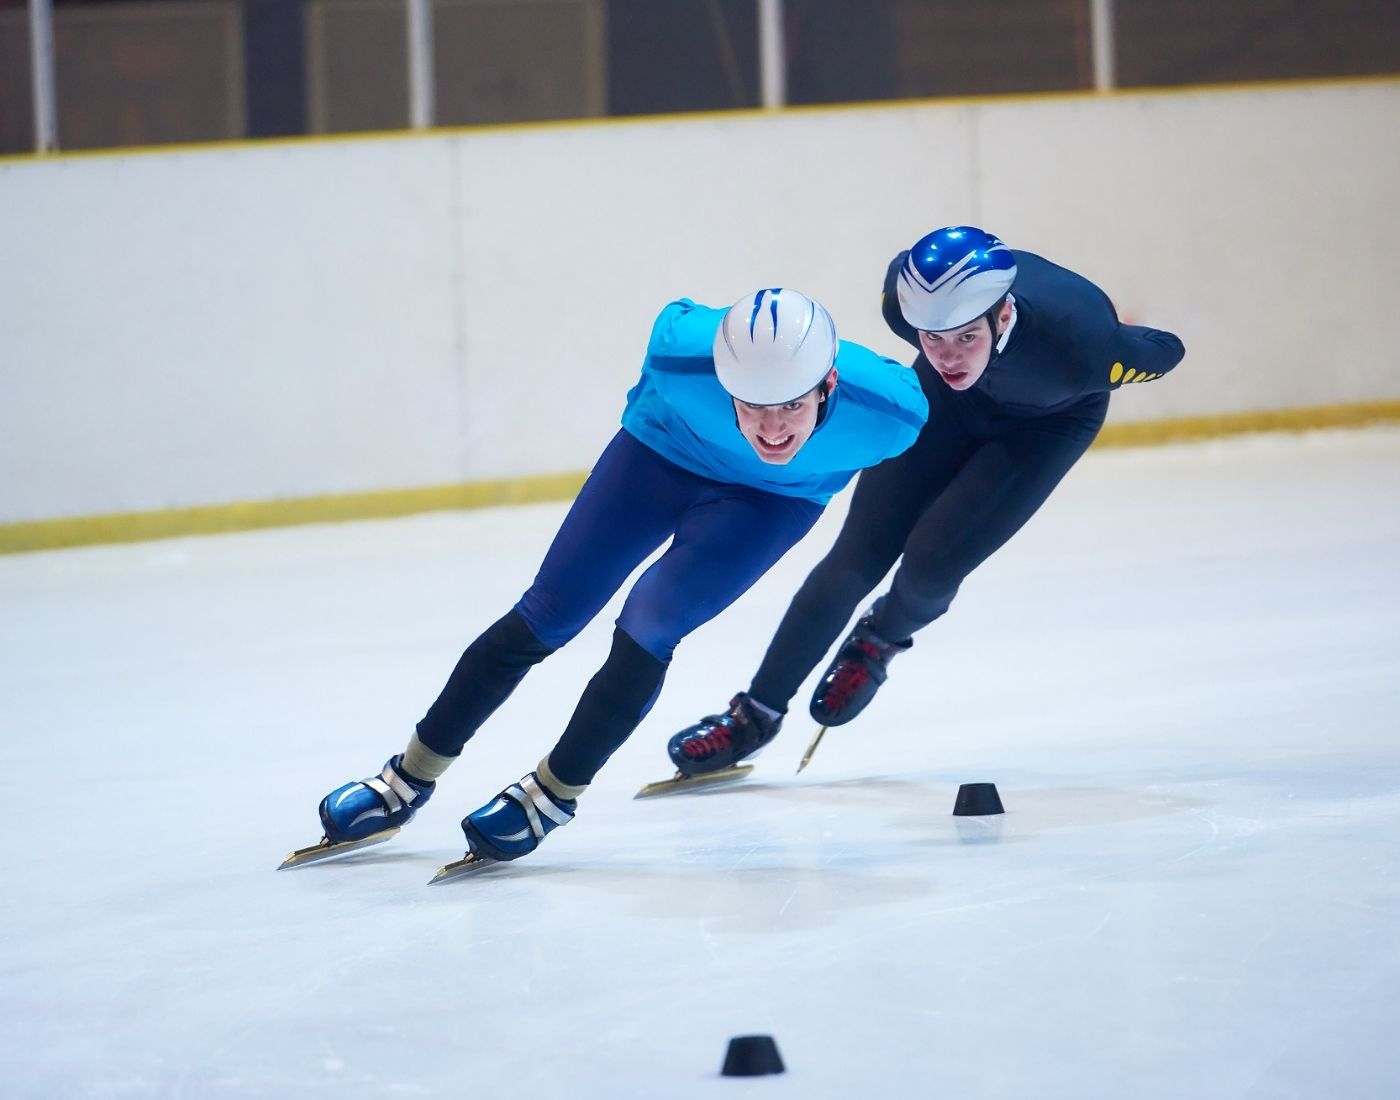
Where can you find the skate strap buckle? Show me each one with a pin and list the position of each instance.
(534, 800)
(390, 786)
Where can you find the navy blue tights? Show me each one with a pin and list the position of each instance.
(723, 538)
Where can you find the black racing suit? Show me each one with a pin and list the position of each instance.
(983, 464)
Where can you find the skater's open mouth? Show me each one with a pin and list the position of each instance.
(775, 445)
(953, 375)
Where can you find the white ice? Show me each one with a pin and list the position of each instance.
(1184, 677)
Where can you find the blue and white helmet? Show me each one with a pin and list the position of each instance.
(953, 276)
(773, 346)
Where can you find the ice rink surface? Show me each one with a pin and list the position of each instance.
(1184, 677)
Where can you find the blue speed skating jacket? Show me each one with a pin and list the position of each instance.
(679, 410)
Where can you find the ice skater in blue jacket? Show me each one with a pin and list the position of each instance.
(743, 425)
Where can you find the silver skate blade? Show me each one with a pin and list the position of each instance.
(807, 756)
(679, 783)
(325, 849)
(469, 864)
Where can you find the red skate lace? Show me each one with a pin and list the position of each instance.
(717, 740)
(849, 677)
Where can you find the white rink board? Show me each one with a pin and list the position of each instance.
(569, 268)
(1252, 223)
(190, 328)
(1183, 676)
(258, 322)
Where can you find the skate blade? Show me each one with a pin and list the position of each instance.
(325, 849)
(679, 783)
(807, 756)
(469, 864)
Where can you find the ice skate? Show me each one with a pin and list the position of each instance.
(709, 752)
(811, 748)
(853, 677)
(680, 782)
(511, 825)
(324, 849)
(363, 813)
(469, 864)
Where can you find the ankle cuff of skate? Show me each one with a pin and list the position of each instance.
(565, 792)
(771, 713)
(422, 763)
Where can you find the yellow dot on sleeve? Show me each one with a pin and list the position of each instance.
(1129, 376)
(1116, 373)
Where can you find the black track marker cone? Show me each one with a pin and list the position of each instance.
(977, 800)
(751, 1056)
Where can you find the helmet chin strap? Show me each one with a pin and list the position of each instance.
(999, 339)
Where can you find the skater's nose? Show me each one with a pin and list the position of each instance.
(773, 419)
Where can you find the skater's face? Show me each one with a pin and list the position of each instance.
(777, 432)
(960, 355)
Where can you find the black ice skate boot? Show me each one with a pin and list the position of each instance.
(852, 679)
(721, 740)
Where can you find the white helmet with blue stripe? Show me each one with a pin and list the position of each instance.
(953, 276)
(773, 346)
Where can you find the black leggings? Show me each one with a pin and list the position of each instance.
(972, 479)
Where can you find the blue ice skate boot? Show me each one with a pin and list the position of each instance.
(513, 823)
(720, 741)
(369, 806)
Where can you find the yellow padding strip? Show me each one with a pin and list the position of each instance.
(53, 534)
(1151, 432)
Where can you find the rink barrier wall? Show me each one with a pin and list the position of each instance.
(331, 319)
(169, 523)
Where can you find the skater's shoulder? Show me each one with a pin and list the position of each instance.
(1056, 291)
(893, 268)
(684, 329)
(1058, 311)
(889, 302)
(878, 407)
(879, 383)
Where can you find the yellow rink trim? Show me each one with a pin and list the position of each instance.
(53, 534)
(1149, 433)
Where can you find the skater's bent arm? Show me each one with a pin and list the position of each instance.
(1110, 354)
(1139, 354)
